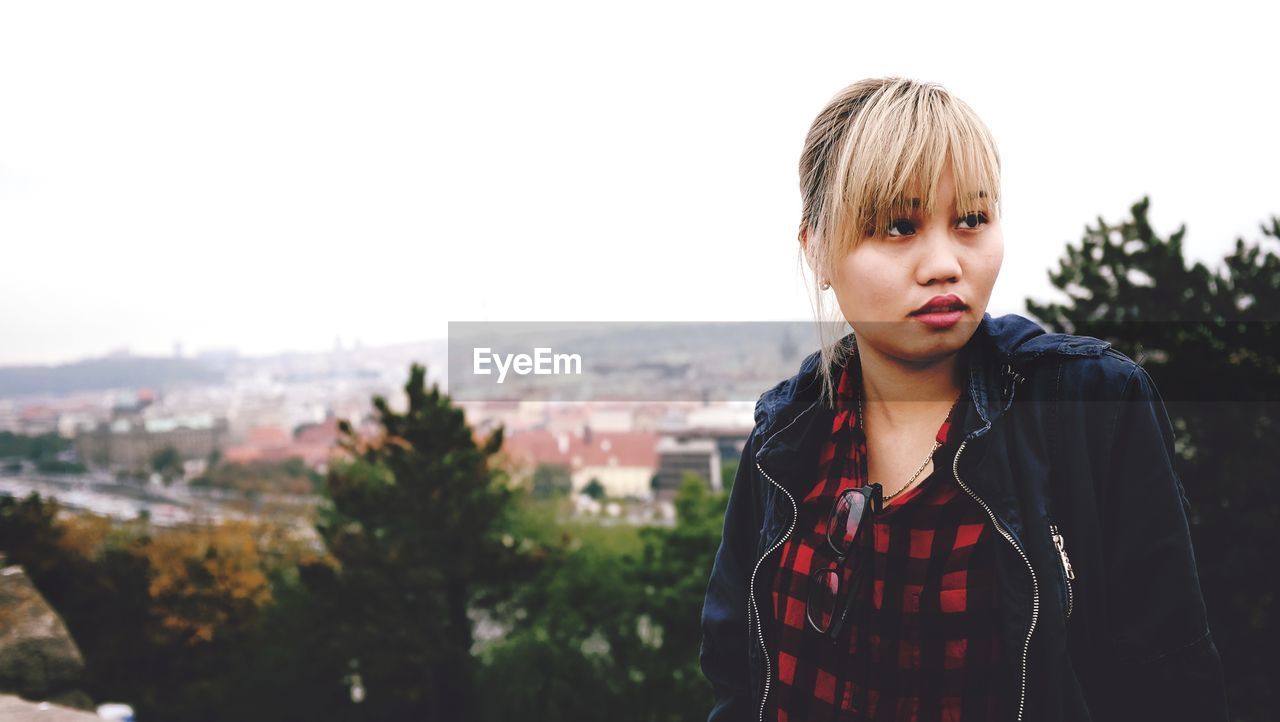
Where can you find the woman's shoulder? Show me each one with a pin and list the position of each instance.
(1079, 365)
(1106, 376)
(788, 394)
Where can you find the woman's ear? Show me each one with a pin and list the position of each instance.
(803, 236)
(823, 281)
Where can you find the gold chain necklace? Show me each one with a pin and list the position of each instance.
(863, 420)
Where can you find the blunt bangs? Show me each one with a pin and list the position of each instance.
(892, 157)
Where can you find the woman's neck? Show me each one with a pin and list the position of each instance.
(906, 395)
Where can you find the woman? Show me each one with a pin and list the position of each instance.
(903, 540)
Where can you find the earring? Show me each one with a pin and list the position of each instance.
(825, 284)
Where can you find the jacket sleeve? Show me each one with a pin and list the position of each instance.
(723, 654)
(1166, 665)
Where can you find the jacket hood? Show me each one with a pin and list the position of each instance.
(998, 347)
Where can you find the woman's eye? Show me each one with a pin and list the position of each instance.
(904, 227)
(897, 226)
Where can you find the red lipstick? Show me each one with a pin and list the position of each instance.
(941, 311)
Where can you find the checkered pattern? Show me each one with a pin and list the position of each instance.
(925, 646)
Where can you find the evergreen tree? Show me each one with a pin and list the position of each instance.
(1209, 341)
(415, 523)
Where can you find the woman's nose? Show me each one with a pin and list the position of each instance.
(940, 258)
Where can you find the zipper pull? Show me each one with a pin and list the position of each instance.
(1012, 379)
(1060, 543)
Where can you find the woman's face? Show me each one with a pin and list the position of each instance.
(887, 277)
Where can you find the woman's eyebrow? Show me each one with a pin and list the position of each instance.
(914, 202)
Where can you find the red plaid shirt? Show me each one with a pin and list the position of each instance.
(926, 646)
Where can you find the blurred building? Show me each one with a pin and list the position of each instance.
(313, 443)
(622, 461)
(678, 456)
(701, 451)
(129, 442)
(36, 419)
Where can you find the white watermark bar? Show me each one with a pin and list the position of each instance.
(737, 361)
(624, 361)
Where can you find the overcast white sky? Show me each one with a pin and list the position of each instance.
(277, 175)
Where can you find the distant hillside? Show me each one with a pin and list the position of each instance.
(104, 373)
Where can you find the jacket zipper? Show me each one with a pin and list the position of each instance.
(1035, 587)
(768, 664)
(1067, 572)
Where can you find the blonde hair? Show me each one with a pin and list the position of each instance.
(874, 141)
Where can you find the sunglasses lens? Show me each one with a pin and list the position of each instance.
(821, 606)
(845, 519)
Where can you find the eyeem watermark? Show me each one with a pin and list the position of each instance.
(542, 363)
(623, 361)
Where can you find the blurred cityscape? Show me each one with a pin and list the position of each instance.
(147, 436)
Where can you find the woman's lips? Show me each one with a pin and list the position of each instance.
(938, 319)
(948, 301)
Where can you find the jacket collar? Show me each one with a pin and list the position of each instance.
(791, 420)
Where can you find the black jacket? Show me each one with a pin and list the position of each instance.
(1066, 440)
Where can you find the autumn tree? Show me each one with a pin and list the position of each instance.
(205, 581)
(159, 613)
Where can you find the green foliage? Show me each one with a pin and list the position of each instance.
(287, 669)
(290, 476)
(559, 657)
(594, 489)
(167, 462)
(58, 466)
(416, 523)
(1209, 340)
(131, 596)
(1129, 286)
(44, 450)
(551, 481)
(29, 533)
(610, 622)
(33, 448)
(674, 571)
